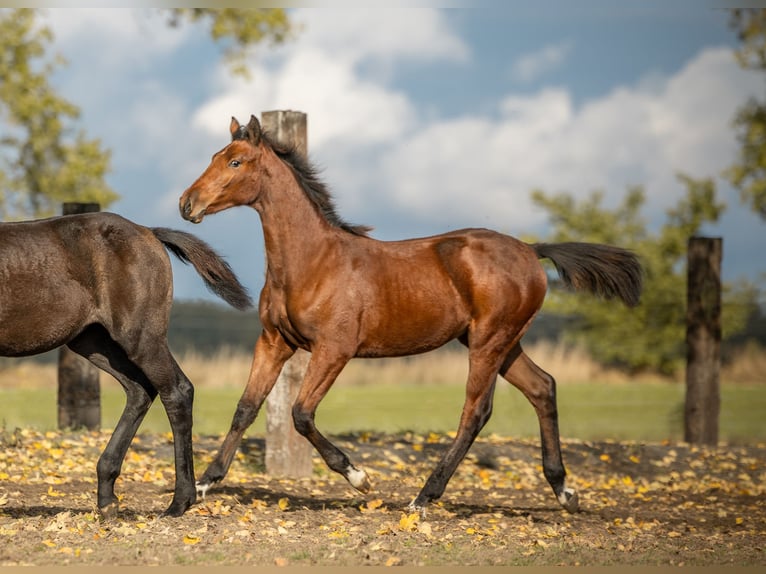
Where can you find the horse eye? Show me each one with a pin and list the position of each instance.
(234, 163)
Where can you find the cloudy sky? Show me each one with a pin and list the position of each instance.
(425, 119)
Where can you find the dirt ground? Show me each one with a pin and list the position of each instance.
(641, 504)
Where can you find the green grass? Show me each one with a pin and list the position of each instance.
(641, 411)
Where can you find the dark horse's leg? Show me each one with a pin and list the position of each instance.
(321, 373)
(271, 353)
(176, 393)
(540, 389)
(100, 350)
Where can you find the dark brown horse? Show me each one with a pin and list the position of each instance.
(334, 291)
(103, 286)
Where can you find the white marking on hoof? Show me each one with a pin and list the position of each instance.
(569, 500)
(416, 508)
(358, 479)
(202, 489)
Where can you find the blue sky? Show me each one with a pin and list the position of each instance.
(425, 119)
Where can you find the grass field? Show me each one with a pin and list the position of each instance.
(425, 394)
(641, 411)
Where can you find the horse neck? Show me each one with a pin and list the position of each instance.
(292, 227)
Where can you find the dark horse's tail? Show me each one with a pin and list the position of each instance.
(215, 272)
(601, 269)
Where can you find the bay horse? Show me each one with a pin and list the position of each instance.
(333, 290)
(103, 286)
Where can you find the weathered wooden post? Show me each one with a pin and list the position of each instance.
(79, 391)
(703, 341)
(287, 452)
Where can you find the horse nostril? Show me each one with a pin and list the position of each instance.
(186, 209)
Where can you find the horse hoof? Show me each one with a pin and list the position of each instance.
(359, 480)
(570, 500)
(414, 508)
(109, 511)
(175, 511)
(202, 488)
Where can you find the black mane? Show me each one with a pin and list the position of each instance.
(313, 187)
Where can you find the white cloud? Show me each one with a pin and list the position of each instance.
(480, 170)
(530, 67)
(336, 100)
(319, 73)
(115, 36)
(354, 35)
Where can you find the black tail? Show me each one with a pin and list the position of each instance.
(601, 269)
(215, 272)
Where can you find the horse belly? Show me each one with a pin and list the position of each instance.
(411, 324)
(38, 320)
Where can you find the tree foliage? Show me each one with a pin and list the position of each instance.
(238, 29)
(748, 174)
(650, 336)
(44, 160)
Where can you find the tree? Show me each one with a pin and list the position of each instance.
(43, 159)
(748, 174)
(650, 336)
(241, 29)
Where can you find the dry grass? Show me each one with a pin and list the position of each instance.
(230, 368)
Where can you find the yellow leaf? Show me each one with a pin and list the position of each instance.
(49, 543)
(409, 522)
(393, 561)
(739, 520)
(417, 447)
(54, 493)
(605, 457)
(191, 540)
(634, 459)
(372, 505)
(283, 503)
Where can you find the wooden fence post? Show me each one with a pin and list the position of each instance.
(703, 341)
(287, 452)
(79, 391)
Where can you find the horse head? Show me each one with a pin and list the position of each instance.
(231, 179)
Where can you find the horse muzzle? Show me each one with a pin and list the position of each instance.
(187, 210)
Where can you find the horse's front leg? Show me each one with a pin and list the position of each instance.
(270, 355)
(323, 368)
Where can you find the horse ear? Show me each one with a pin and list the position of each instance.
(234, 127)
(254, 130)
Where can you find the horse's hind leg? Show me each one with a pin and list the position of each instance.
(177, 396)
(476, 412)
(176, 393)
(540, 389)
(100, 350)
